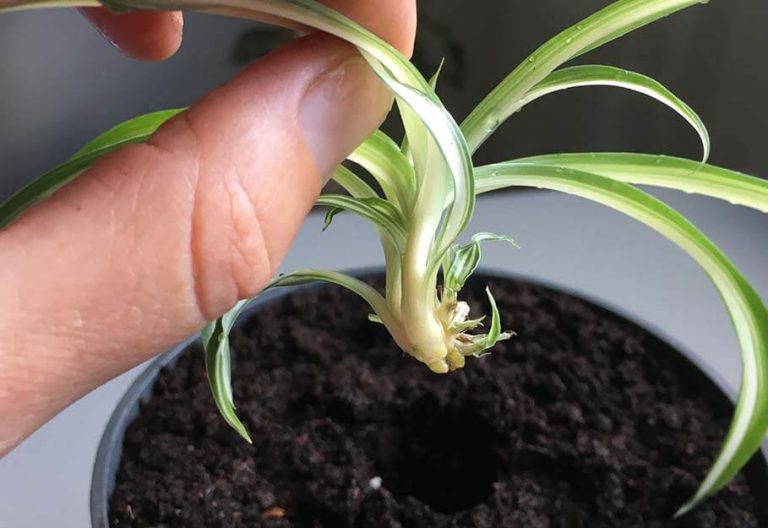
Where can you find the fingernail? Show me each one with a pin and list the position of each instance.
(342, 107)
(96, 17)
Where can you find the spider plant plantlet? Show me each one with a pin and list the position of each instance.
(428, 186)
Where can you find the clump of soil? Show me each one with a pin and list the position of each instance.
(582, 420)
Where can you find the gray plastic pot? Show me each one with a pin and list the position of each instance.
(110, 448)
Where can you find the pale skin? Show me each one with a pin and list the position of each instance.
(156, 239)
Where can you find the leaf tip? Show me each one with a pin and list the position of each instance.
(702, 493)
(687, 507)
(238, 426)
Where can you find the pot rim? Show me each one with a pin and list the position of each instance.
(127, 408)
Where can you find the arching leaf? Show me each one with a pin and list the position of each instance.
(747, 311)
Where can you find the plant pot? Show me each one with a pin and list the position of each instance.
(697, 384)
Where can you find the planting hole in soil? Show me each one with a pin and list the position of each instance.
(435, 450)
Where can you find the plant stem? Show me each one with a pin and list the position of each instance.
(419, 306)
(26, 5)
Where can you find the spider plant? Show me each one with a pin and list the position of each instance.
(428, 185)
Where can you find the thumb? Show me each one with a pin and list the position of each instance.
(158, 238)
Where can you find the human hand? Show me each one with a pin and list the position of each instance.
(156, 239)
(143, 35)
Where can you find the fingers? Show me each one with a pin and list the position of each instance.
(155, 36)
(144, 35)
(392, 20)
(156, 239)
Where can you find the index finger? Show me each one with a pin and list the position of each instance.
(157, 35)
(143, 35)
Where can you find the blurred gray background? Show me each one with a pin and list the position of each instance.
(713, 56)
(61, 86)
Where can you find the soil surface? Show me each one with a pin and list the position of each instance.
(582, 420)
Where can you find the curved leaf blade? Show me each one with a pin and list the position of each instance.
(475, 345)
(392, 66)
(369, 294)
(215, 337)
(405, 147)
(352, 183)
(379, 211)
(747, 311)
(611, 22)
(667, 172)
(447, 142)
(382, 158)
(462, 261)
(494, 334)
(494, 331)
(389, 64)
(134, 130)
(436, 76)
(357, 188)
(599, 75)
(7, 6)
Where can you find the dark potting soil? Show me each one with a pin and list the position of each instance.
(582, 420)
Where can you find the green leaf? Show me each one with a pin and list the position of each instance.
(494, 334)
(428, 115)
(329, 216)
(405, 147)
(597, 75)
(7, 6)
(295, 14)
(379, 211)
(462, 261)
(668, 172)
(357, 188)
(468, 324)
(749, 315)
(444, 166)
(436, 76)
(352, 183)
(135, 130)
(381, 157)
(458, 266)
(369, 294)
(215, 337)
(494, 331)
(475, 345)
(609, 23)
